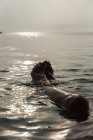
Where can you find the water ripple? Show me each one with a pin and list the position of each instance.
(83, 80)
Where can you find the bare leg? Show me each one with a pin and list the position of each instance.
(73, 103)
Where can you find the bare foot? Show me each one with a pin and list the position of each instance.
(42, 70)
(37, 72)
(48, 70)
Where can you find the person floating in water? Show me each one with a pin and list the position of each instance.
(76, 106)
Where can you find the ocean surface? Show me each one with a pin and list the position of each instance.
(26, 113)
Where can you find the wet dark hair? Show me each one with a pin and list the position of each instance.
(78, 105)
(78, 109)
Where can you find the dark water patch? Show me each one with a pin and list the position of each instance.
(27, 122)
(91, 55)
(61, 76)
(64, 70)
(38, 99)
(77, 88)
(73, 70)
(81, 131)
(37, 84)
(11, 138)
(4, 109)
(31, 97)
(23, 138)
(8, 88)
(79, 70)
(12, 82)
(2, 79)
(87, 74)
(78, 65)
(41, 103)
(11, 121)
(58, 70)
(28, 84)
(82, 80)
(40, 123)
(58, 82)
(88, 70)
(4, 71)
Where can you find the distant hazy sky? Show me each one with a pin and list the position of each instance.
(46, 15)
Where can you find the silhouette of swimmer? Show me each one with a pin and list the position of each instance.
(75, 106)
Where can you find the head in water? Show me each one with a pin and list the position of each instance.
(78, 108)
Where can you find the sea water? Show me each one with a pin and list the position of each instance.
(26, 113)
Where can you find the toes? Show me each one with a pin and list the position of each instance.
(42, 68)
(38, 68)
(48, 67)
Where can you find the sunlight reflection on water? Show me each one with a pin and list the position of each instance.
(28, 62)
(61, 135)
(15, 133)
(25, 111)
(28, 34)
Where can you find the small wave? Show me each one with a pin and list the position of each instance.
(83, 80)
(88, 74)
(4, 70)
(73, 70)
(2, 79)
(8, 88)
(37, 84)
(88, 70)
(31, 97)
(3, 109)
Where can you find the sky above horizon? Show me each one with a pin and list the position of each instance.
(46, 15)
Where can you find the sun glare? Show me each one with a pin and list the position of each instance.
(28, 62)
(29, 34)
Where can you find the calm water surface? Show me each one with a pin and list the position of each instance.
(26, 113)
